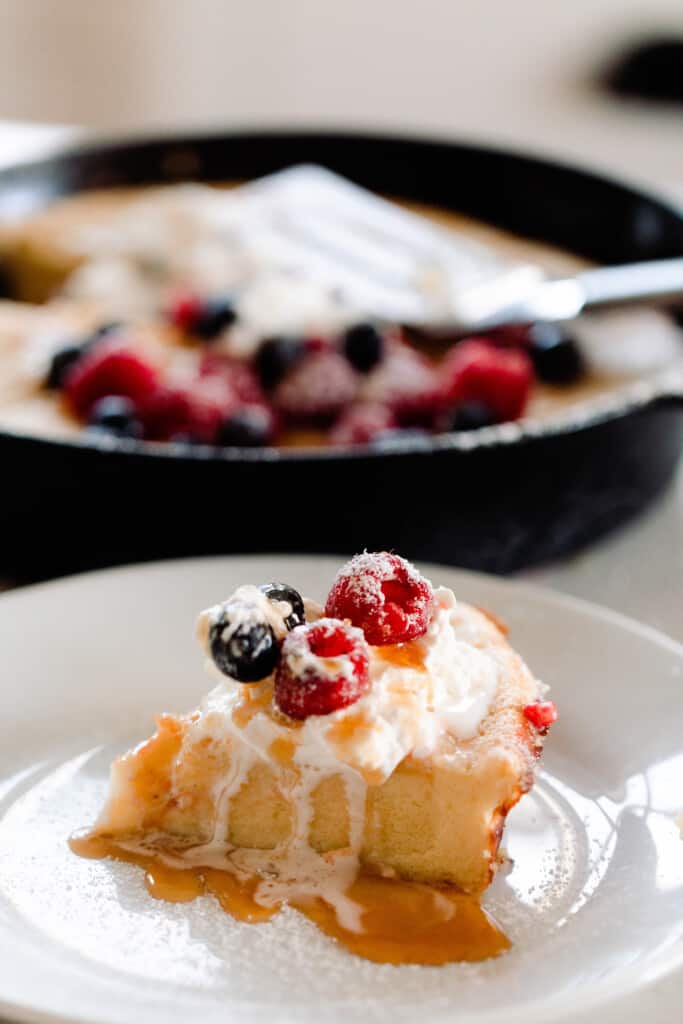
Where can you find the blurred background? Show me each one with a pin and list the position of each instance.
(521, 74)
(529, 75)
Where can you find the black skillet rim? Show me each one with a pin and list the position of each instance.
(638, 396)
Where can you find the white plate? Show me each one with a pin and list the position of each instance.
(593, 904)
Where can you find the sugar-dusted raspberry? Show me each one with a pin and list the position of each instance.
(239, 376)
(196, 409)
(324, 666)
(405, 381)
(166, 413)
(362, 423)
(541, 715)
(317, 388)
(110, 368)
(477, 370)
(384, 595)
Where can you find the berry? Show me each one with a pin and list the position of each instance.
(275, 356)
(184, 311)
(469, 416)
(282, 592)
(407, 383)
(240, 377)
(249, 426)
(384, 595)
(167, 413)
(555, 354)
(317, 388)
(477, 370)
(196, 409)
(109, 368)
(61, 363)
(324, 666)
(65, 358)
(363, 346)
(362, 423)
(541, 715)
(215, 316)
(116, 415)
(242, 643)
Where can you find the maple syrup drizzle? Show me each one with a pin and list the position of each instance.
(408, 655)
(402, 922)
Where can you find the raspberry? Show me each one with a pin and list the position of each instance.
(196, 409)
(384, 595)
(362, 423)
(240, 377)
(165, 413)
(317, 387)
(185, 310)
(407, 383)
(541, 715)
(324, 666)
(476, 370)
(110, 368)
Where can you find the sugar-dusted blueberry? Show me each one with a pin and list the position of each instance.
(363, 346)
(283, 592)
(555, 354)
(216, 314)
(277, 355)
(116, 415)
(249, 426)
(242, 644)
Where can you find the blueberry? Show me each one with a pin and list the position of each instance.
(242, 645)
(60, 364)
(363, 346)
(216, 315)
(116, 415)
(64, 358)
(283, 592)
(471, 416)
(275, 356)
(248, 427)
(555, 354)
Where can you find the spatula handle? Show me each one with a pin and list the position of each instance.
(654, 281)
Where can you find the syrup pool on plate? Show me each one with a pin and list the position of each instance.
(399, 922)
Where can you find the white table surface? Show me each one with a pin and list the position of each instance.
(637, 571)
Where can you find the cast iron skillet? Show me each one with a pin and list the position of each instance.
(497, 500)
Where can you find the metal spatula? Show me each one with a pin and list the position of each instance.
(393, 264)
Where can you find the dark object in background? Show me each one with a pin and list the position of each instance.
(495, 502)
(651, 69)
